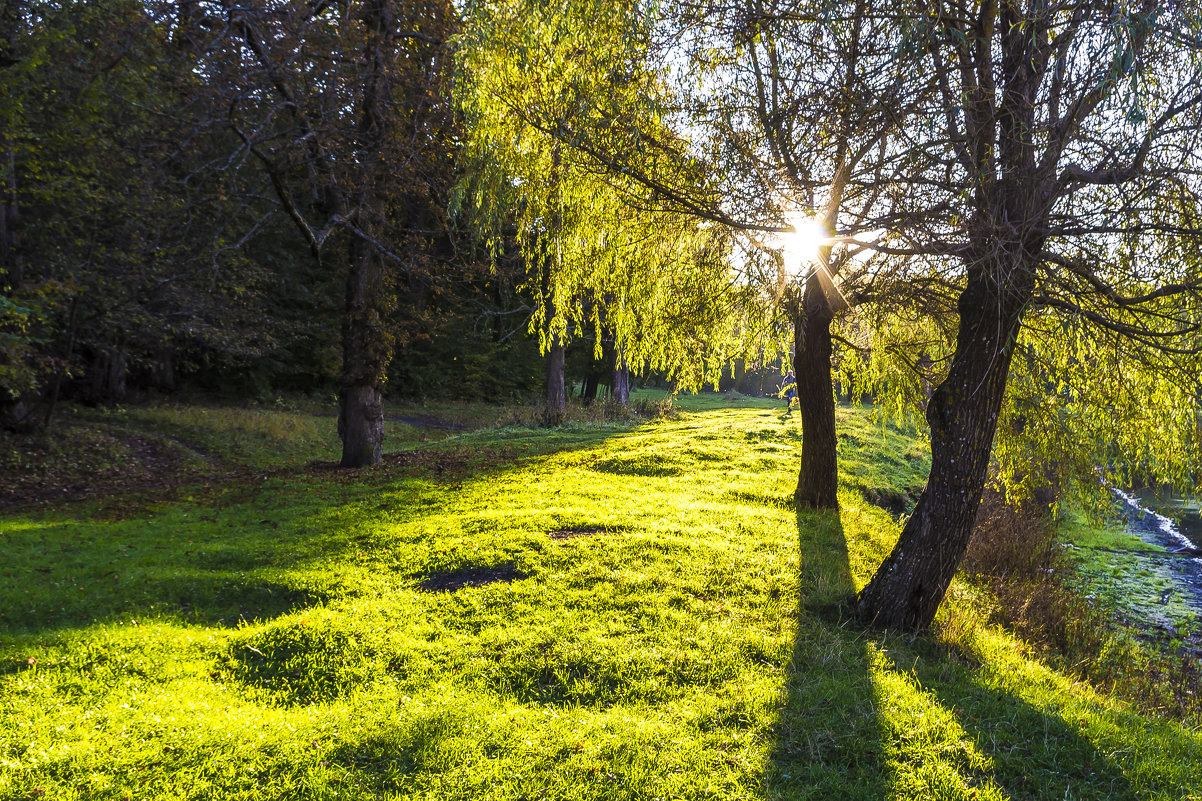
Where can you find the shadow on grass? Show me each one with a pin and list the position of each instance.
(1032, 753)
(234, 554)
(828, 741)
(875, 716)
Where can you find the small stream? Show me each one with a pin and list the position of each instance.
(1155, 590)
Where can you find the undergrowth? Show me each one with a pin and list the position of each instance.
(1016, 553)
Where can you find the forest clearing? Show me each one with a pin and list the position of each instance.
(601, 610)
(640, 399)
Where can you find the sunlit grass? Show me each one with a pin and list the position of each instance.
(598, 611)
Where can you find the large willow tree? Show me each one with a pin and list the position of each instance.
(1056, 175)
(600, 249)
(1035, 163)
(784, 110)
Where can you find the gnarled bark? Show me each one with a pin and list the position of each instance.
(366, 350)
(963, 412)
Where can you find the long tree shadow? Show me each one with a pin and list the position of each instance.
(234, 555)
(827, 735)
(871, 715)
(1031, 753)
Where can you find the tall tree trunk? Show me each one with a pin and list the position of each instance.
(556, 399)
(963, 413)
(11, 268)
(12, 16)
(57, 382)
(105, 375)
(162, 368)
(367, 344)
(588, 392)
(818, 479)
(366, 350)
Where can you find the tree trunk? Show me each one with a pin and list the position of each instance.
(588, 392)
(361, 425)
(13, 26)
(963, 412)
(620, 382)
(556, 399)
(57, 382)
(366, 350)
(367, 344)
(105, 375)
(162, 368)
(818, 479)
(12, 273)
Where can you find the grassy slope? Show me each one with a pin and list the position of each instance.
(279, 640)
(105, 450)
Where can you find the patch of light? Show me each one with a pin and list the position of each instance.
(800, 246)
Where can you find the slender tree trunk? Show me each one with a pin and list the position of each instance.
(588, 392)
(620, 382)
(11, 269)
(12, 25)
(818, 479)
(924, 370)
(963, 412)
(556, 398)
(162, 369)
(106, 373)
(57, 382)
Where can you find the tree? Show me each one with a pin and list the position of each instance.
(603, 259)
(111, 267)
(1021, 157)
(1057, 169)
(343, 106)
(744, 81)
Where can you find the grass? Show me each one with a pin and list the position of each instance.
(106, 450)
(594, 611)
(1083, 531)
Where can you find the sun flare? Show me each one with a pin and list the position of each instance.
(802, 244)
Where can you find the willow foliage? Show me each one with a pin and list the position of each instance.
(601, 256)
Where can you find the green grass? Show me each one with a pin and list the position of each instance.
(1083, 531)
(108, 451)
(595, 611)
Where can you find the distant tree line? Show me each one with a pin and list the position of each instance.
(267, 197)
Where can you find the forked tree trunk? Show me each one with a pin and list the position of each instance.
(963, 412)
(556, 398)
(818, 479)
